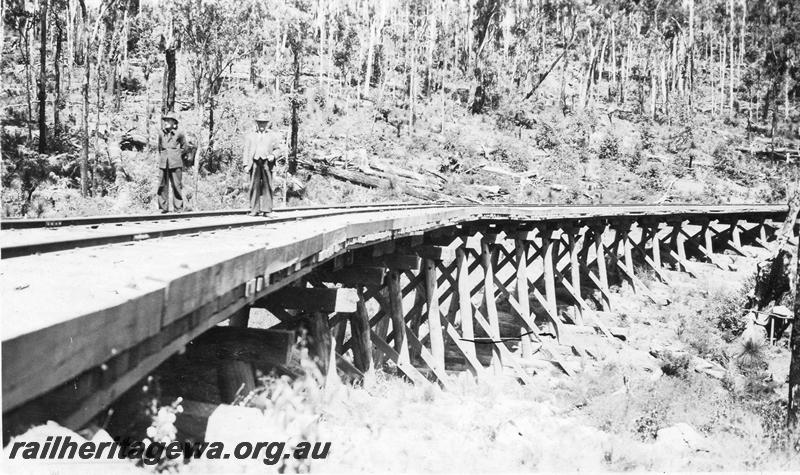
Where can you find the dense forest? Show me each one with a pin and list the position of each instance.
(85, 82)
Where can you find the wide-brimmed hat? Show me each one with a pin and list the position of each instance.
(263, 117)
(169, 117)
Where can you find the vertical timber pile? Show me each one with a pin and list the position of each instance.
(236, 377)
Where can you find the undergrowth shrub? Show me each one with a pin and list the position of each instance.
(545, 138)
(675, 364)
(608, 148)
(646, 426)
(652, 176)
(725, 310)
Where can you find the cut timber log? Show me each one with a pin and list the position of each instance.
(362, 179)
(397, 171)
(312, 300)
(265, 349)
(356, 275)
(436, 253)
(234, 376)
(390, 261)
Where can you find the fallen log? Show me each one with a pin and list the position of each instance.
(389, 169)
(362, 179)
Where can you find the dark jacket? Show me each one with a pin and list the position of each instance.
(171, 147)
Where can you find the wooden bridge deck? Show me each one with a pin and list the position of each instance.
(102, 317)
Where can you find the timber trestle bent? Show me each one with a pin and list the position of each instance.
(431, 289)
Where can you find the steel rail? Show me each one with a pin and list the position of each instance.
(123, 236)
(24, 223)
(27, 249)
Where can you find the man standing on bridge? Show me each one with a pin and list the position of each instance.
(171, 147)
(259, 154)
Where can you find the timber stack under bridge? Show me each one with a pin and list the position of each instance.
(92, 306)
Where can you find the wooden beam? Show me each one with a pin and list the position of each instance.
(489, 299)
(390, 261)
(320, 340)
(467, 348)
(402, 364)
(656, 249)
(575, 270)
(436, 253)
(548, 244)
(428, 358)
(397, 316)
(354, 275)
(523, 296)
(464, 302)
(359, 327)
(434, 316)
(347, 368)
(601, 269)
(236, 377)
(265, 349)
(339, 300)
(736, 235)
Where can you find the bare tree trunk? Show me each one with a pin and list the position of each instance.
(170, 45)
(723, 49)
(732, 56)
(292, 169)
(42, 75)
(70, 46)
(99, 103)
(691, 53)
(28, 56)
(168, 98)
(57, 104)
(85, 115)
(374, 37)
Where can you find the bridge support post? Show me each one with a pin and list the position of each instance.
(656, 248)
(600, 252)
(359, 328)
(523, 295)
(487, 258)
(434, 314)
(464, 301)
(236, 377)
(575, 271)
(736, 234)
(397, 316)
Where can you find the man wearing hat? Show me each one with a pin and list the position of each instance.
(260, 150)
(171, 147)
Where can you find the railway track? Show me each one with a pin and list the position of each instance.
(25, 237)
(71, 233)
(19, 223)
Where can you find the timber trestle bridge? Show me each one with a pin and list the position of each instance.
(91, 306)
